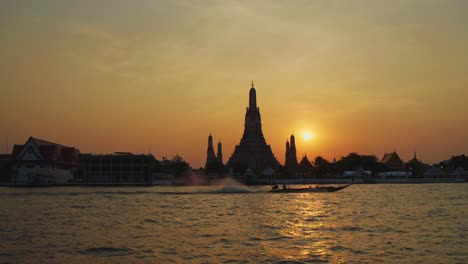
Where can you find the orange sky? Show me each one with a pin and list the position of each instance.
(362, 76)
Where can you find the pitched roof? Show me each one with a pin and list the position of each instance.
(17, 150)
(41, 142)
(305, 163)
(390, 156)
(52, 152)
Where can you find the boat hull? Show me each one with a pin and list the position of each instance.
(310, 190)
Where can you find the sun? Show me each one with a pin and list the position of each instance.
(307, 136)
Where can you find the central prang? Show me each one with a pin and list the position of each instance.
(252, 152)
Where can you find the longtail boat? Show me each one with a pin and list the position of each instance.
(308, 189)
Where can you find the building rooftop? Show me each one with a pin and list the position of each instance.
(50, 151)
(389, 156)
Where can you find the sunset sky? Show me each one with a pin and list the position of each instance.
(359, 76)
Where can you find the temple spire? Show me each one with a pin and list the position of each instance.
(252, 152)
(210, 155)
(252, 99)
(219, 155)
(293, 142)
(291, 158)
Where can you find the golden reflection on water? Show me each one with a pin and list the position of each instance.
(307, 227)
(365, 223)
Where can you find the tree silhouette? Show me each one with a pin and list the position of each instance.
(323, 167)
(416, 167)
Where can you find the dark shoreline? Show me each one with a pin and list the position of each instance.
(255, 184)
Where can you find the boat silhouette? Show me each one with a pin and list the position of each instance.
(308, 189)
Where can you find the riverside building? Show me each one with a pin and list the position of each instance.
(120, 168)
(393, 162)
(40, 162)
(5, 164)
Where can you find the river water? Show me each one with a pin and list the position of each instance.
(405, 223)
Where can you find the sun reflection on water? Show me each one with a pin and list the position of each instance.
(362, 224)
(309, 230)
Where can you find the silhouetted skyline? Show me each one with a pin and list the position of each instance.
(368, 77)
(253, 151)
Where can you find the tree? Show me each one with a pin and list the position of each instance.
(178, 166)
(323, 166)
(354, 162)
(459, 161)
(215, 167)
(351, 162)
(453, 163)
(416, 167)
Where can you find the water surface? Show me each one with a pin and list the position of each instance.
(414, 223)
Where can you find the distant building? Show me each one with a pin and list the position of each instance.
(210, 154)
(40, 162)
(214, 167)
(394, 174)
(5, 168)
(305, 169)
(252, 152)
(121, 168)
(219, 154)
(291, 158)
(434, 172)
(393, 162)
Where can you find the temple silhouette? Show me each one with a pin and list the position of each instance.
(252, 152)
(291, 157)
(210, 154)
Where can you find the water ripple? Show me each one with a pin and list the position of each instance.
(361, 224)
(107, 251)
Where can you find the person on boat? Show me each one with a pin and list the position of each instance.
(284, 186)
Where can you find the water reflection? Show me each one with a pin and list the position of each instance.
(159, 225)
(305, 228)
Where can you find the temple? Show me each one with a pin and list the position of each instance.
(393, 161)
(219, 154)
(291, 157)
(305, 169)
(252, 152)
(210, 154)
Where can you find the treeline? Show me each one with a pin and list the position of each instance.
(176, 166)
(323, 168)
(454, 163)
(320, 167)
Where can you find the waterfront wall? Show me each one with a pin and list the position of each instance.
(357, 181)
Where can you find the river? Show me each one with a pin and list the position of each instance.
(389, 223)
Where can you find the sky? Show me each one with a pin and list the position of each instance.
(159, 76)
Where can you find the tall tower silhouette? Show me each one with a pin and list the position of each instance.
(252, 151)
(292, 150)
(291, 157)
(210, 154)
(219, 155)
